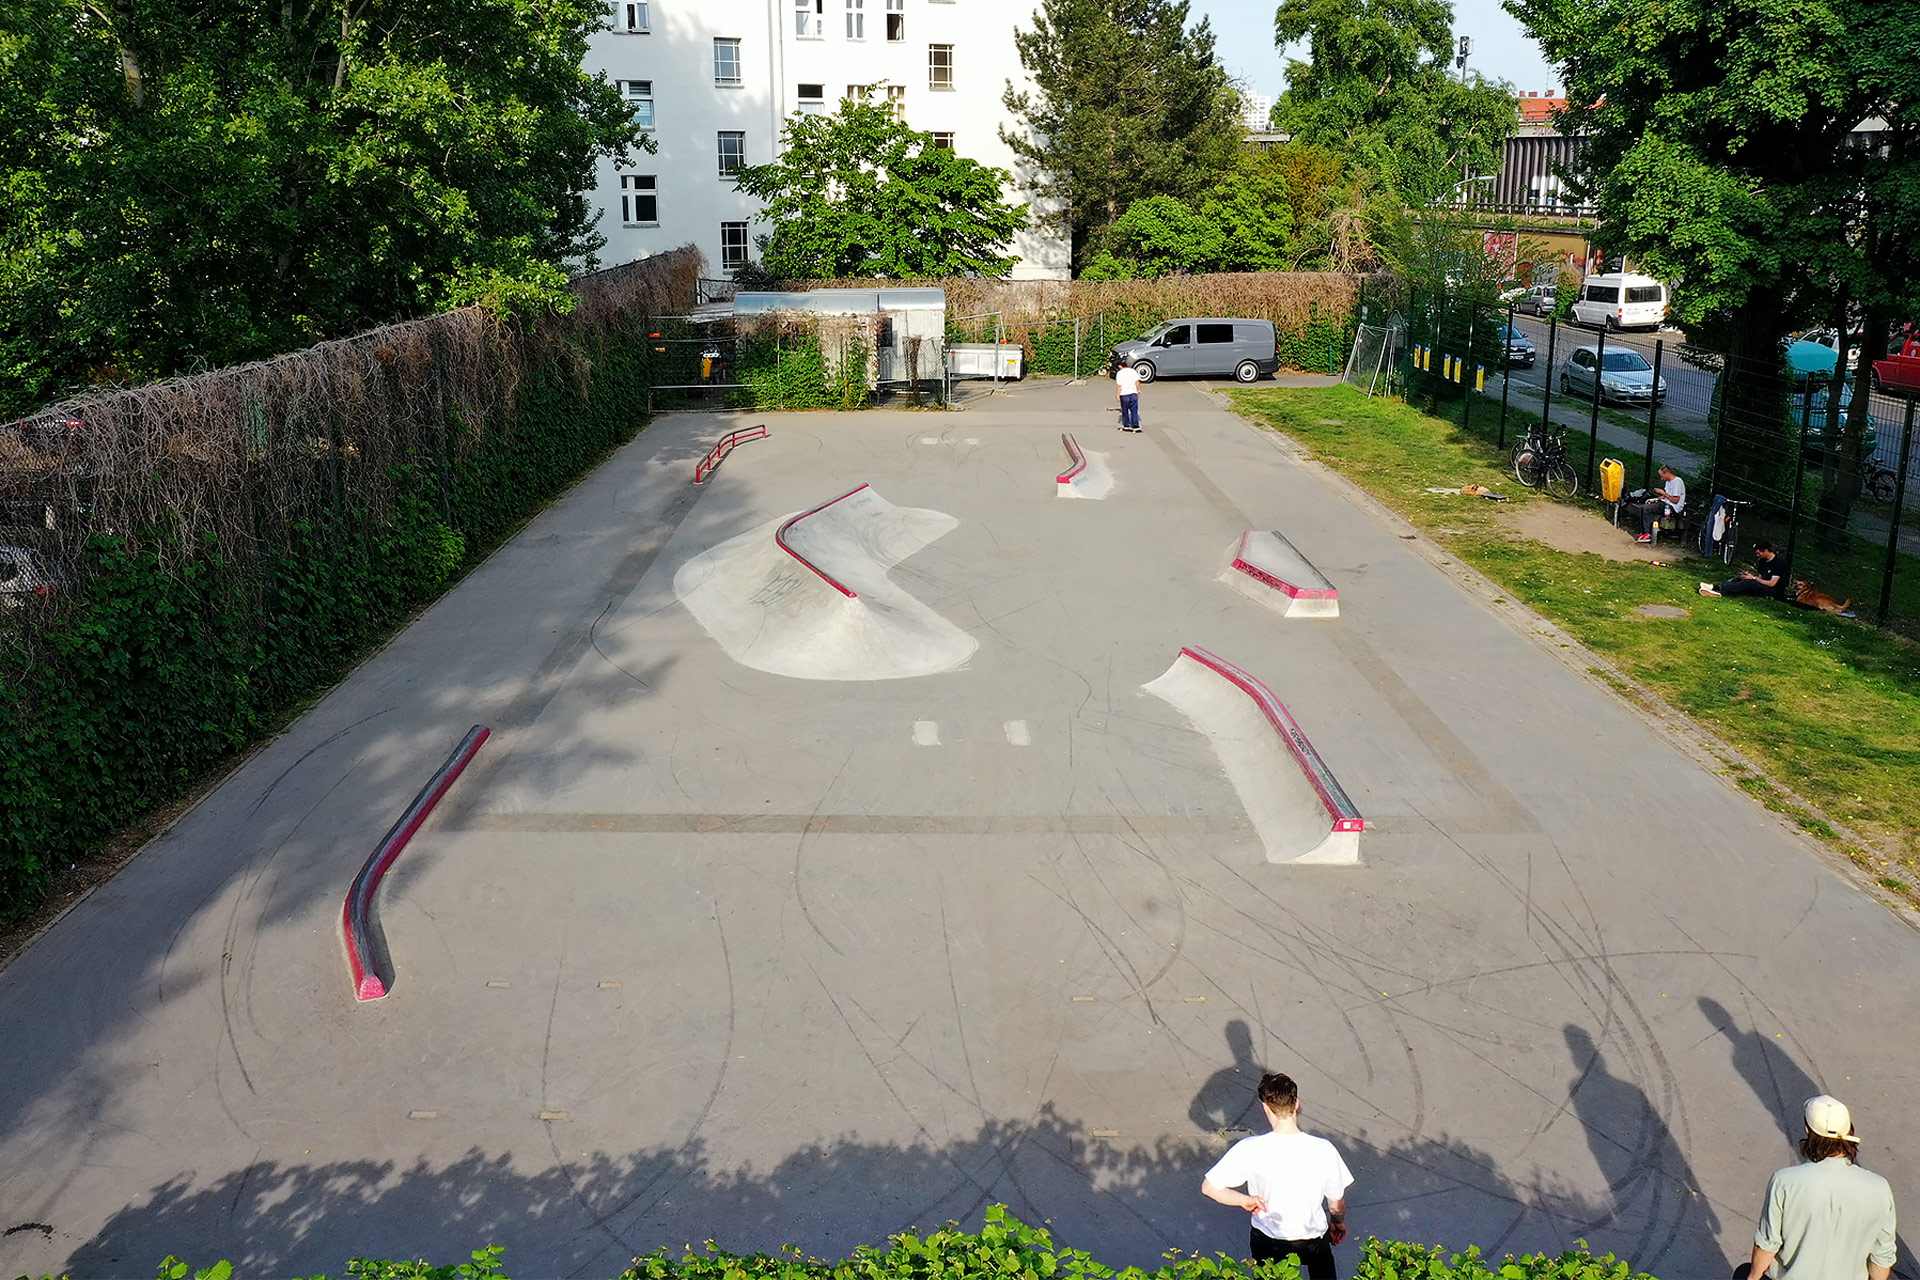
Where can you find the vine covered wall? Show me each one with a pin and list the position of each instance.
(200, 555)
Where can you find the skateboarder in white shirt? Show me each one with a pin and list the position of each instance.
(1296, 1185)
(1126, 389)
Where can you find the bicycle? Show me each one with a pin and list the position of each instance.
(1877, 480)
(1729, 540)
(1540, 459)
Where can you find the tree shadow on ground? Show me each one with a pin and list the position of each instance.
(1125, 1202)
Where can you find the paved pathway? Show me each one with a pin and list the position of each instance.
(698, 951)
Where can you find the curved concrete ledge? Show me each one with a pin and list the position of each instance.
(718, 454)
(1292, 797)
(1076, 456)
(354, 922)
(780, 537)
(1268, 569)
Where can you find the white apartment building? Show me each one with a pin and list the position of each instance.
(713, 81)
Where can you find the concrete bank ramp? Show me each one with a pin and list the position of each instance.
(808, 595)
(1290, 795)
(1267, 569)
(1087, 474)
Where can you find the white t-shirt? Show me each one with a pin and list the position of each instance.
(1127, 379)
(1295, 1174)
(1675, 491)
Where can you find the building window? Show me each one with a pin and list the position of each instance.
(639, 199)
(630, 16)
(733, 153)
(813, 95)
(859, 92)
(856, 19)
(733, 244)
(639, 96)
(897, 101)
(726, 61)
(896, 20)
(939, 66)
(943, 140)
(809, 19)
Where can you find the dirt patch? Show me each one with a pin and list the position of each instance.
(1565, 527)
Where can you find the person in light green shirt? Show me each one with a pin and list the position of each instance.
(1827, 1219)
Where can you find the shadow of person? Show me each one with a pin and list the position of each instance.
(1651, 1182)
(1775, 1078)
(1228, 1102)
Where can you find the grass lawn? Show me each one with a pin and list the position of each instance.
(1827, 707)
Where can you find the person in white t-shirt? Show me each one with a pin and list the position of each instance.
(1670, 499)
(1126, 388)
(1296, 1185)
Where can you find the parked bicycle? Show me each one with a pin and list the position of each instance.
(1729, 539)
(1540, 460)
(1876, 480)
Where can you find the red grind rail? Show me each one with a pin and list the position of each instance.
(367, 984)
(711, 463)
(1079, 460)
(1345, 816)
(780, 536)
(1287, 588)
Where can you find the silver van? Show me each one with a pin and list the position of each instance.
(1202, 348)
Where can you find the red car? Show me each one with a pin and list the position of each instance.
(1899, 373)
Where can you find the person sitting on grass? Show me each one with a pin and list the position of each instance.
(1768, 577)
(1670, 499)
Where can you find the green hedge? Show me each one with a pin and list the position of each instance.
(163, 659)
(1003, 1249)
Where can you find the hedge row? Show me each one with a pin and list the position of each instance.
(1003, 1249)
(226, 546)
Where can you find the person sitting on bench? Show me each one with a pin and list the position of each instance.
(1768, 577)
(1669, 500)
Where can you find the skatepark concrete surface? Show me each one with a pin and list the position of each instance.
(699, 950)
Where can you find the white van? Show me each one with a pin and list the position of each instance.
(1617, 301)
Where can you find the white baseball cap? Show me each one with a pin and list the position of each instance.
(1829, 1118)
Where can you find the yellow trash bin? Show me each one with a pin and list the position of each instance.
(1613, 477)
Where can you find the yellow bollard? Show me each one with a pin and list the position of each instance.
(1480, 377)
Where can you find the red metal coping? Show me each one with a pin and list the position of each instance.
(708, 465)
(1261, 575)
(1079, 460)
(1346, 817)
(780, 536)
(354, 925)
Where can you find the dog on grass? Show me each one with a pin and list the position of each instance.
(1808, 596)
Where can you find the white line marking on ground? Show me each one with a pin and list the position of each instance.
(929, 439)
(926, 733)
(1017, 733)
(973, 440)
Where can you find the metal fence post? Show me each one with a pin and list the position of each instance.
(1466, 388)
(1653, 411)
(1799, 471)
(1076, 347)
(1593, 419)
(1893, 531)
(1546, 384)
(1506, 374)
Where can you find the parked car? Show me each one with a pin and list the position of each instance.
(1899, 373)
(1620, 301)
(1202, 348)
(1624, 376)
(1520, 352)
(1830, 339)
(23, 576)
(1816, 432)
(1538, 300)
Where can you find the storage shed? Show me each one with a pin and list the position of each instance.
(906, 327)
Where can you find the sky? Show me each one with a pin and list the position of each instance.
(1243, 31)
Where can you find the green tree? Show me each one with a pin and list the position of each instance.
(1156, 236)
(858, 193)
(1717, 151)
(1128, 102)
(1375, 89)
(202, 184)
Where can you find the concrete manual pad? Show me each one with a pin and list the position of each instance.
(698, 950)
